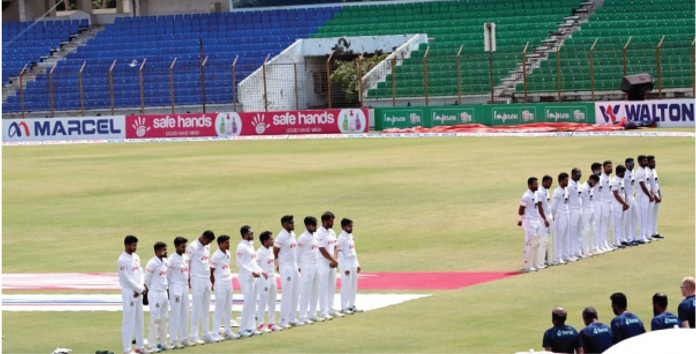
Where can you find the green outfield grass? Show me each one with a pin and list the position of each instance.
(431, 204)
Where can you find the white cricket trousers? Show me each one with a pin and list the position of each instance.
(656, 210)
(200, 311)
(562, 243)
(544, 240)
(248, 285)
(268, 295)
(532, 238)
(159, 315)
(618, 221)
(631, 221)
(588, 232)
(132, 320)
(644, 208)
(223, 305)
(605, 224)
(327, 289)
(349, 286)
(309, 297)
(575, 233)
(179, 318)
(598, 226)
(291, 284)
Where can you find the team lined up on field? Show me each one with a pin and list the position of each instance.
(582, 214)
(307, 269)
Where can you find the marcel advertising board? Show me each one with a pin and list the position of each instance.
(63, 129)
(665, 113)
(229, 124)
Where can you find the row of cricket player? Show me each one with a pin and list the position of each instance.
(581, 215)
(307, 268)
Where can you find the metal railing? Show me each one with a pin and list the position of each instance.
(337, 80)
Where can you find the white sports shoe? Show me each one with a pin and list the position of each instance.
(198, 342)
(245, 334)
(286, 326)
(335, 314)
(210, 339)
(257, 333)
(297, 324)
(188, 343)
(316, 319)
(275, 328)
(231, 335)
(168, 347)
(532, 269)
(347, 312)
(177, 345)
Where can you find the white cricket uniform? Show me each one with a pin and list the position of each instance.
(575, 213)
(656, 206)
(588, 220)
(156, 281)
(266, 288)
(246, 262)
(605, 196)
(532, 229)
(220, 262)
(178, 279)
(348, 261)
(617, 213)
(308, 255)
(630, 224)
(201, 287)
(643, 201)
(289, 276)
(327, 275)
(561, 216)
(544, 198)
(131, 279)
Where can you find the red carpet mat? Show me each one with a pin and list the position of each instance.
(366, 281)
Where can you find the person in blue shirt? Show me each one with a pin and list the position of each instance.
(596, 337)
(625, 325)
(561, 338)
(686, 307)
(662, 319)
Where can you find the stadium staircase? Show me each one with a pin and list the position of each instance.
(645, 22)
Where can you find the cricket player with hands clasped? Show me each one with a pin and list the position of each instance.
(308, 255)
(249, 274)
(350, 267)
(284, 251)
(266, 288)
(156, 282)
(327, 266)
(178, 280)
(198, 253)
(221, 277)
(130, 277)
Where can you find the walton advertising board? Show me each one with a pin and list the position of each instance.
(666, 113)
(63, 129)
(228, 124)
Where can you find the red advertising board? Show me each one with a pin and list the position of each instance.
(227, 124)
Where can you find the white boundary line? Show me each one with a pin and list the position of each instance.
(364, 136)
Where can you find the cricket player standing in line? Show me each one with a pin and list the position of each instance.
(284, 251)
(575, 213)
(221, 277)
(544, 198)
(327, 266)
(156, 282)
(198, 253)
(606, 197)
(249, 272)
(561, 214)
(589, 246)
(650, 182)
(619, 206)
(658, 197)
(645, 198)
(178, 280)
(130, 277)
(597, 170)
(308, 256)
(632, 212)
(266, 288)
(529, 212)
(350, 267)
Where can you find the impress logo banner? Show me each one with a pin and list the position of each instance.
(228, 124)
(63, 129)
(666, 113)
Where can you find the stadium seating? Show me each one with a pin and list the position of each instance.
(27, 42)
(645, 22)
(450, 25)
(159, 39)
